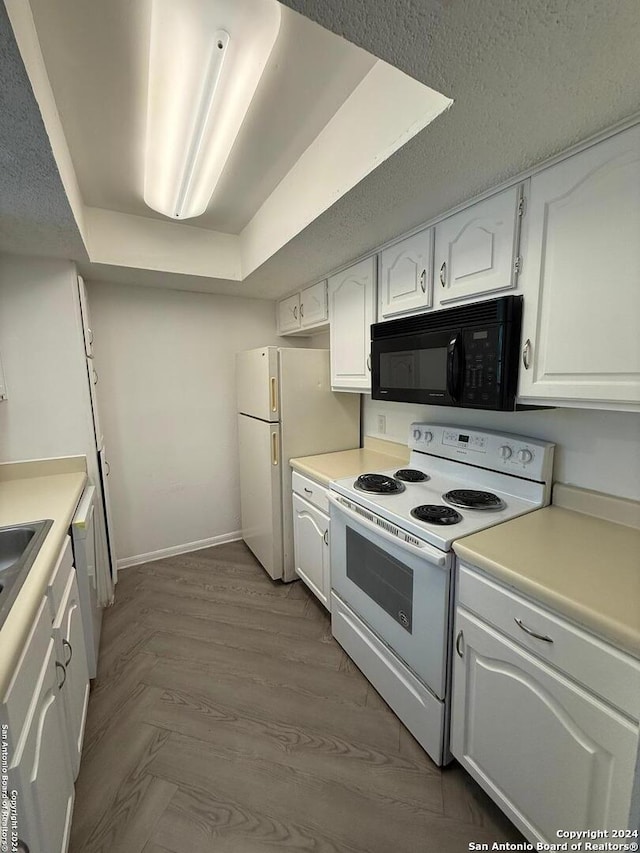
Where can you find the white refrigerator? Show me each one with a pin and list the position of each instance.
(285, 409)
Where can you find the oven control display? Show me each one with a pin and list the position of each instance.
(466, 440)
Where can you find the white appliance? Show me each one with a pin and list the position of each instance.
(285, 409)
(392, 560)
(85, 562)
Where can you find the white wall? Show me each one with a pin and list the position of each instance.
(48, 410)
(166, 361)
(595, 449)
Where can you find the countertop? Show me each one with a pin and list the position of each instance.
(584, 567)
(31, 491)
(376, 455)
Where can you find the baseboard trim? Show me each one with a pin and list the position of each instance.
(175, 550)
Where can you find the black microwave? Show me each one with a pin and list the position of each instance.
(466, 356)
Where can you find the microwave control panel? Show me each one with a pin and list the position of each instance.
(483, 365)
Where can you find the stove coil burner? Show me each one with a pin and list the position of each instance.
(436, 514)
(378, 484)
(410, 475)
(473, 499)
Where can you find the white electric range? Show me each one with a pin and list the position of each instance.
(391, 558)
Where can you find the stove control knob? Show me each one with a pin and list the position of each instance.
(505, 451)
(417, 434)
(525, 455)
(427, 437)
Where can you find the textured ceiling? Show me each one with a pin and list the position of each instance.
(529, 78)
(34, 211)
(96, 55)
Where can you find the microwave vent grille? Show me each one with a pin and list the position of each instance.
(490, 311)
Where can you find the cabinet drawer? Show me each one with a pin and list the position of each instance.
(310, 491)
(607, 671)
(60, 578)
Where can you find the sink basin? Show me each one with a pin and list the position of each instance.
(19, 546)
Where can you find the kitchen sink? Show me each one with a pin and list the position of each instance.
(19, 546)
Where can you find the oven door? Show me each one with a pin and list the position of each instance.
(427, 367)
(400, 590)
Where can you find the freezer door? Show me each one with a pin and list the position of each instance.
(260, 491)
(257, 383)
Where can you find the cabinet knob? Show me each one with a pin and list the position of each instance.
(505, 451)
(525, 455)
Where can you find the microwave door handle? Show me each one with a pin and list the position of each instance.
(453, 368)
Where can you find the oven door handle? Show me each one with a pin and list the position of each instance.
(427, 552)
(454, 357)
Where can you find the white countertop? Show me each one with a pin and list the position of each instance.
(581, 566)
(29, 493)
(376, 455)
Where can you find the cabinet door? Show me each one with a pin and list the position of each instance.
(289, 314)
(351, 313)
(580, 277)
(311, 546)
(476, 249)
(71, 650)
(549, 753)
(313, 305)
(41, 769)
(406, 276)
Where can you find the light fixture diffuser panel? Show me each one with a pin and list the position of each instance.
(206, 59)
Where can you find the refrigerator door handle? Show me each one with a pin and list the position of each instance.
(274, 448)
(274, 394)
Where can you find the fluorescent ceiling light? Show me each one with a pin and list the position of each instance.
(206, 59)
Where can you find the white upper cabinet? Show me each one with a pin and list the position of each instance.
(313, 305)
(405, 285)
(581, 278)
(352, 302)
(477, 250)
(302, 313)
(289, 314)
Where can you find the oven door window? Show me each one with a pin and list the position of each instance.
(382, 578)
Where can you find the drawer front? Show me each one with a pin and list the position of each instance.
(311, 491)
(612, 674)
(60, 578)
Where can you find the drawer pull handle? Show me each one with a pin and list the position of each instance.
(308, 491)
(326, 537)
(531, 633)
(67, 645)
(459, 642)
(64, 674)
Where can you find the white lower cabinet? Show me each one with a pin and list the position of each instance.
(548, 751)
(44, 708)
(40, 767)
(311, 537)
(70, 648)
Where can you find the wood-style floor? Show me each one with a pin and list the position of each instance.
(226, 719)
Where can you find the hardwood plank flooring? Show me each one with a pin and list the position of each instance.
(226, 719)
